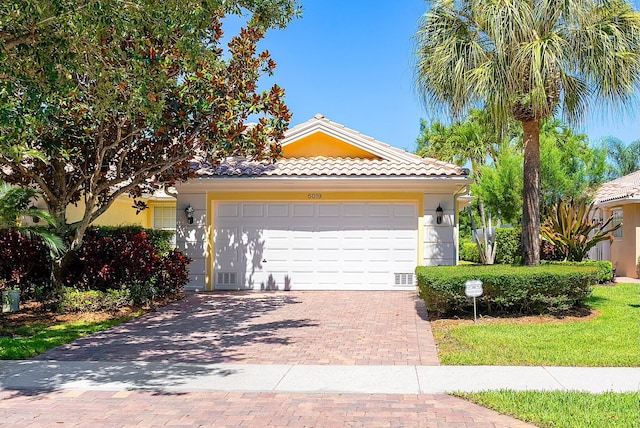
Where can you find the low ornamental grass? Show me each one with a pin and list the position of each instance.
(564, 409)
(608, 339)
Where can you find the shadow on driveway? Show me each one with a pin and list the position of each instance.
(204, 328)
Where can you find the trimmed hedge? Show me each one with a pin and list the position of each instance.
(549, 288)
(605, 268)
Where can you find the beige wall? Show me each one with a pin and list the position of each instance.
(626, 250)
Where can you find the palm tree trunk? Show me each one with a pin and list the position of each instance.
(531, 194)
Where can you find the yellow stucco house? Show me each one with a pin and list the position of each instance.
(339, 210)
(621, 198)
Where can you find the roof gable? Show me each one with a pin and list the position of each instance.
(321, 137)
(321, 144)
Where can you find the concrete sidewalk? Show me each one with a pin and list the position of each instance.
(191, 377)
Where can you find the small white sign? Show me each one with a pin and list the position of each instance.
(473, 288)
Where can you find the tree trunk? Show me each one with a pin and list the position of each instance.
(531, 194)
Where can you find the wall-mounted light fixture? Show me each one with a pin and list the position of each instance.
(34, 218)
(189, 213)
(439, 214)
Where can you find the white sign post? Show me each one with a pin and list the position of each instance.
(473, 288)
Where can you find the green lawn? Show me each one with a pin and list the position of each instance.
(562, 409)
(609, 340)
(31, 340)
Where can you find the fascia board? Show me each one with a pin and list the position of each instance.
(619, 202)
(399, 184)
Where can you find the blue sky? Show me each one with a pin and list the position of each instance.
(351, 60)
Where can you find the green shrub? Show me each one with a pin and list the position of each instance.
(469, 252)
(162, 240)
(605, 268)
(73, 300)
(126, 258)
(509, 250)
(548, 288)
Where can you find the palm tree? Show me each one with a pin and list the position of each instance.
(16, 205)
(623, 159)
(528, 59)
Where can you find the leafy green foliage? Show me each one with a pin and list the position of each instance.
(570, 167)
(509, 246)
(573, 231)
(101, 98)
(605, 268)
(73, 300)
(623, 159)
(469, 252)
(125, 259)
(17, 207)
(609, 339)
(525, 60)
(161, 240)
(507, 289)
(563, 409)
(499, 186)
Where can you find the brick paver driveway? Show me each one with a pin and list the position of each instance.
(103, 409)
(342, 328)
(319, 327)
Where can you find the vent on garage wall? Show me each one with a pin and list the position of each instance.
(404, 279)
(226, 278)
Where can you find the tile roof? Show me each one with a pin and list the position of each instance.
(324, 166)
(623, 187)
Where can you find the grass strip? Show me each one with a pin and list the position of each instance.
(608, 340)
(559, 409)
(31, 340)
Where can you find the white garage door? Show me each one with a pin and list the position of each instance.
(322, 246)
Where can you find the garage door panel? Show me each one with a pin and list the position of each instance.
(317, 245)
(278, 210)
(303, 210)
(328, 210)
(355, 210)
(253, 210)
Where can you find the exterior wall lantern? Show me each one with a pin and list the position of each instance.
(439, 214)
(189, 213)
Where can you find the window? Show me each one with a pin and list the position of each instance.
(164, 218)
(617, 219)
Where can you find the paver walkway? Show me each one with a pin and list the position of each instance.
(337, 328)
(97, 409)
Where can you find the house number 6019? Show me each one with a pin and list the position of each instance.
(314, 195)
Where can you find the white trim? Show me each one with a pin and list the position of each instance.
(399, 184)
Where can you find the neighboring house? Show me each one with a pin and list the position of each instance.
(340, 210)
(620, 198)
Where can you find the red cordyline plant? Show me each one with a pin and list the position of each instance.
(573, 229)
